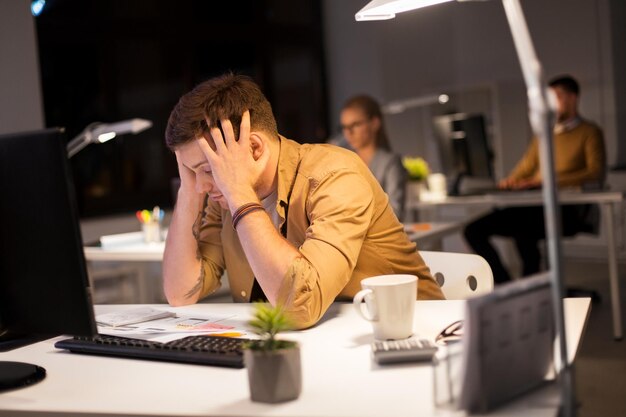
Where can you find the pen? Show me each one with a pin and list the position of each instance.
(156, 214)
(145, 215)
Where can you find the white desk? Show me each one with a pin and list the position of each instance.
(339, 378)
(135, 250)
(131, 250)
(609, 202)
(139, 251)
(431, 232)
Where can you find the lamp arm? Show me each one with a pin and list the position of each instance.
(101, 132)
(399, 106)
(541, 120)
(81, 140)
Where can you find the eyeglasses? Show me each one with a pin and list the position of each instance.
(349, 128)
(452, 333)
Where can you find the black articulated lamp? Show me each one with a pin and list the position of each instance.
(541, 114)
(103, 132)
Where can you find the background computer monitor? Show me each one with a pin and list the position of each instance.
(463, 148)
(44, 288)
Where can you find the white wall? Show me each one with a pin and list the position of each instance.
(21, 106)
(468, 46)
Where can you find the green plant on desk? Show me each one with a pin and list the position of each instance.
(268, 322)
(274, 371)
(417, 168)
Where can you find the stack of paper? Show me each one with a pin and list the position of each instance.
(137, 315)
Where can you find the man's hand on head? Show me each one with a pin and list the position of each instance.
(187, 176)
(236, 165)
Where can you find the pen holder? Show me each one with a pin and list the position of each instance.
(447, 377)
(152, 232)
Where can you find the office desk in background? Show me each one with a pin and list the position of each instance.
(431, 233)
(142, 266)
(609, 201)
(140, 251)
(339, 377)
(135, 250)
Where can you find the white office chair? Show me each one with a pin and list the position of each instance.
(460, 275)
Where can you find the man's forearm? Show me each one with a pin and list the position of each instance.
(182, 280)
(268, 253)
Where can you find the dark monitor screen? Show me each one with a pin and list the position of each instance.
(44, 288)
(463, 147)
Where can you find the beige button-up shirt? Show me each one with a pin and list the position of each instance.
(334, 211)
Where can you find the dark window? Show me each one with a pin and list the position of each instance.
(111, 60)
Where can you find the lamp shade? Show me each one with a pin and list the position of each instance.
(102, 132)
(387, 9)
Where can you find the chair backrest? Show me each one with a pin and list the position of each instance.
(460, 275)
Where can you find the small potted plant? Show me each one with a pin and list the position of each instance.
(274, 372)
(418, 170)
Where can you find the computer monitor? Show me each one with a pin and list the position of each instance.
(463, 149)
(44, 288)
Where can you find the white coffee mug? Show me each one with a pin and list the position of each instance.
(437, 186)
(389, 304)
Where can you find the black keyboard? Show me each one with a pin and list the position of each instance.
(199, 350)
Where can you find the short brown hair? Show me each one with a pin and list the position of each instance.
(224, 97)
(566, 82)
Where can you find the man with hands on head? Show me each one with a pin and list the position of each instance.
(296, 225)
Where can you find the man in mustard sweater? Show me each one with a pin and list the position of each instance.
(579, 159)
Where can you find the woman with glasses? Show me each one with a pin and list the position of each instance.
(363, 127)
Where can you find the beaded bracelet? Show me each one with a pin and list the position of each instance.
(245, 210)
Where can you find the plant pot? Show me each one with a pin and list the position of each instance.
(274, 376)
(415, 191)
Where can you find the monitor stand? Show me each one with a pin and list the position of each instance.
(455, 188)
(19, 374)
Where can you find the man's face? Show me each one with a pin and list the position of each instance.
(567, 104)
(192, 157)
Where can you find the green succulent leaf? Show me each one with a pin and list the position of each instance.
(268, 321)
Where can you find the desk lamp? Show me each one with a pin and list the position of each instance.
(541, 113)
(102, 132)
(399, 106)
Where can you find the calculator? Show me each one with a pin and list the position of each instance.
(407, 350)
